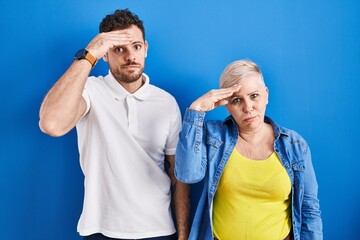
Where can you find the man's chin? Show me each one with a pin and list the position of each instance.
(127, 78)
(130, 78)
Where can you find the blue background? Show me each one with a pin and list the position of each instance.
(309, 52)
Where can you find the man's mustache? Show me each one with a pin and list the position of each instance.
(131, 64)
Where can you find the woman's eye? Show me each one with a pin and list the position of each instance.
(253, 96)
(236, 100)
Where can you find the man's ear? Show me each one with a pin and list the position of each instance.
(105, 57)
(146, 45)
(267, 96)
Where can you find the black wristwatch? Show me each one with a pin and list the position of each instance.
(84, 54)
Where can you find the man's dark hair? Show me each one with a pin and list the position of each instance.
(119, 20)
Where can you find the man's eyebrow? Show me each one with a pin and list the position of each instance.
(137, 42)
(132, 43)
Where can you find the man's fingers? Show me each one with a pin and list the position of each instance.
(120, 35)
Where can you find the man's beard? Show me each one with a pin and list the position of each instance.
(121, 75)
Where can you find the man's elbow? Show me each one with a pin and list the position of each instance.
(51, 128)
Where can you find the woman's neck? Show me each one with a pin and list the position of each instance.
(257, 144)
(255, 136)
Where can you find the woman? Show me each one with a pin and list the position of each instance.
(259, 182)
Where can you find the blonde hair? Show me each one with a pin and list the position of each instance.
(236, 71)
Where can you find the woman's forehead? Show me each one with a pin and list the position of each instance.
(249, 85)
(250, 81)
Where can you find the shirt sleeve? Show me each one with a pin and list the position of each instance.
(86, 97)
(174, 130)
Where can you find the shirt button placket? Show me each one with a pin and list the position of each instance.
(132, 113)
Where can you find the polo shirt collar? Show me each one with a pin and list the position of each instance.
(121, 93)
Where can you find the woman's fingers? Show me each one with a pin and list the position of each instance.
(214, 98)
(226, 92)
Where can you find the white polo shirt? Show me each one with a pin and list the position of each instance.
(123, 139)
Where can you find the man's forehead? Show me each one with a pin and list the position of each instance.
(135, 31)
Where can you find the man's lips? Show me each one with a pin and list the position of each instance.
(131, 66)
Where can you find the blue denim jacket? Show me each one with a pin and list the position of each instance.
(203, 151)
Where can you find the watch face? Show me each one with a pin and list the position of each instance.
(80, 54)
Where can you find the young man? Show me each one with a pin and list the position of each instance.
(127, 135)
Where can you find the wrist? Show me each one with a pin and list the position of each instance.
(183, 234)
(195, 107)
(86, 55)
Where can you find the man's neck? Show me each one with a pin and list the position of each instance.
(133, 86)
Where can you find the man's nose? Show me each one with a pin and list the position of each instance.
(130, 56)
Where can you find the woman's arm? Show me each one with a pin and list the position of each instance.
(190, 164)
(311, 227)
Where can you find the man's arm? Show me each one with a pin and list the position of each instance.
(64, 105)
(181, 201)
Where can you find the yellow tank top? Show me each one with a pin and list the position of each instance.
(252, 201)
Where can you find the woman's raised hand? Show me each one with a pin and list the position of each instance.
(214, 98)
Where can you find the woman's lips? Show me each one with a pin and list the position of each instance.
(249, 119)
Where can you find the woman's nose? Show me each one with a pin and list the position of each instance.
(248, 106)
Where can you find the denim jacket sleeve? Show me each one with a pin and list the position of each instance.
(311, 227)
(190, 165)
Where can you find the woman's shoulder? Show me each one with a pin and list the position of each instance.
(285, 132)
(221, 128)
(218, 124)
